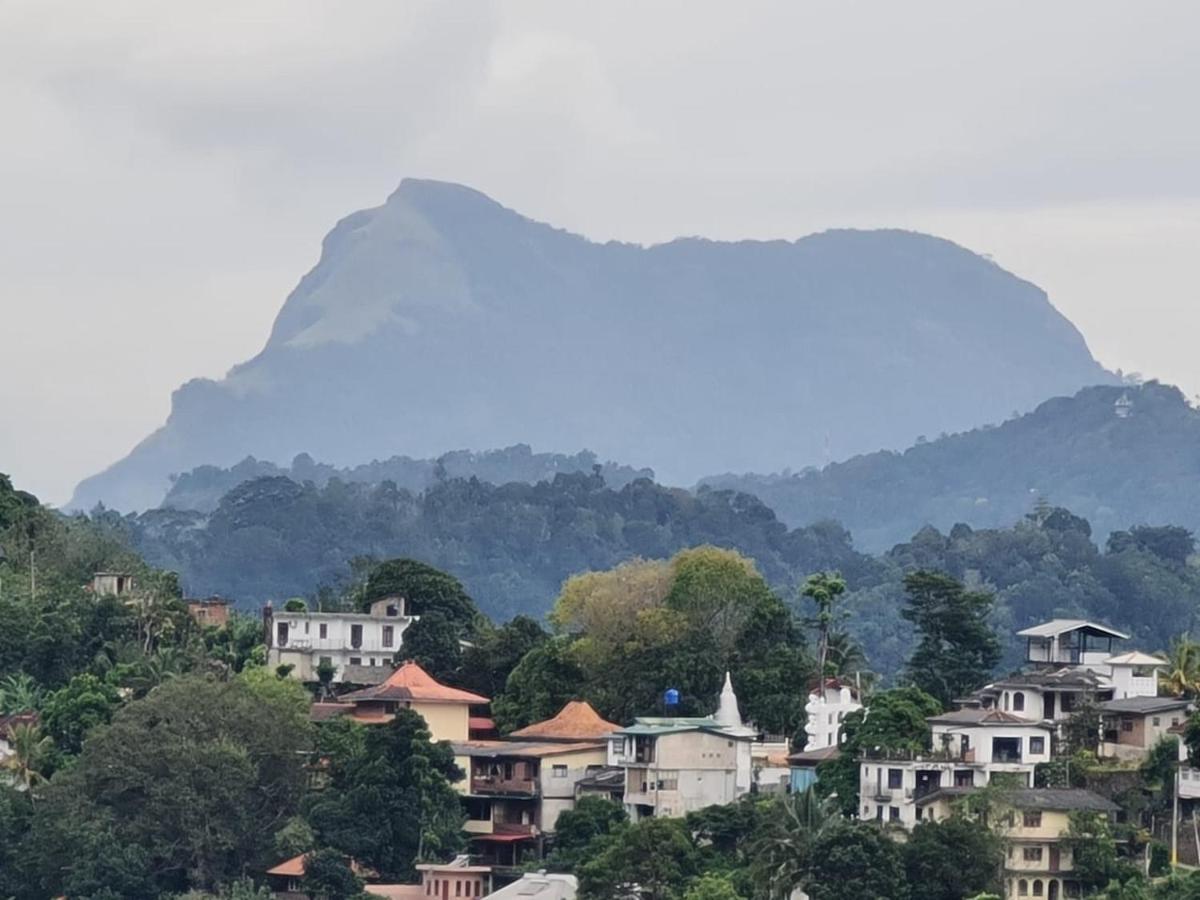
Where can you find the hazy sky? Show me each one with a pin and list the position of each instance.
(167, 170)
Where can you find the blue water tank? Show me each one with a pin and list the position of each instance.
(670, 697)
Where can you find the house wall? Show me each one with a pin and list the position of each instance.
(305, 646)
(695, 768)
(825, 713)
(1128, 683)
(446, 721)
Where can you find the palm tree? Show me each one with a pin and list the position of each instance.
(31, 751)
(20, 693)
(1182, 678)
(783, 855)
(824, 588)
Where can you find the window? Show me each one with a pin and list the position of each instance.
(457, 887)
(1127, 724)
(1037, 887)
(1155, 722)
(1033, 819)
(866, 810)
(1018, 702)
(356, 636)
(306, 629)
(356, 660)
(893, 814)
(895, 778)
(1032, 854)
(560, 771)
(325, 661)
(282, 632)
(1037, 745)
(920, 813)
(371, 661)
(389, 635)
(322, 631)
(1022, 888)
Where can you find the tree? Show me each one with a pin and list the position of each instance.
(892, 720)
(823, 589)
(70, 713)
(1097, 861)
(657, 856)
(31, 756)
(496, 652)
(783, 850)
(712, 886)
(953, 858)
(1182, 677)
(433, 642)
(20, 693)
(956, 650)
(391, 804)
(425, 590)
(856, 862)
(592, 818)
(543, 681)
(184, 789)
(328, 876)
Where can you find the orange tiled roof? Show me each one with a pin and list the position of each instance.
(575, 720)
(294, 867)
(411, 682)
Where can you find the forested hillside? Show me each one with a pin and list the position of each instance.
(1113, 464)
(512, 545)
(203, 487)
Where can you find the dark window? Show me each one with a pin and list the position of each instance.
(323, 630)
(283, 634)
(894, 813)
(356, 660)
(356, 636)
(1032, 854)
(1037, 745)
(1018, 702)
(895, 778)
(1127, 724)
(389, 634)
(1033, 819)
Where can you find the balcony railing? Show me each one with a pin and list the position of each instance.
(883, 754)
(1005, 756)
(498, 784)
(515, 828)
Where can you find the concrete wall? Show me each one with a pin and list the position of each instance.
(446, 721)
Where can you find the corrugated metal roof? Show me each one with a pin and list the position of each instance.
(1062, 626)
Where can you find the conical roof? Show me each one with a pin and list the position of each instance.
(411, 682)
(728, 715)
(574, 721)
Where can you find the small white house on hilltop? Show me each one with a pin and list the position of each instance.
(828, 704)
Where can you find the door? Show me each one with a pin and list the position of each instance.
(1052, 890)
(1048, 705)
(1054, 861)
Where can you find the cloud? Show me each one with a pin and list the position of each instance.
(169, 169)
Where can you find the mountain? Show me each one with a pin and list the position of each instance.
(202, 488)
(1115, 456)
(442, 319)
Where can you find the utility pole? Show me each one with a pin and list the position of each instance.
(1175, 821)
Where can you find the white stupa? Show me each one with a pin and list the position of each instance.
(728, 715)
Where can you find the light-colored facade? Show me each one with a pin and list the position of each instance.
(1070, 642)
(971, 748)
(1035, 823)
(360, 646)
(827, 706)
(676, 766)
(112, 584)
(1131, 727)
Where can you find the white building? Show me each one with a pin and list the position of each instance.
(1071, 642)
(970, 748)
(360, 646)
(827, 706)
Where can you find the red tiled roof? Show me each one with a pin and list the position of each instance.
(411, 682)
(480, 723)
(294, 867)
(322, 712)
(575, 720)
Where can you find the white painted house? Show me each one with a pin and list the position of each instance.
(827, 706)
(360, 646)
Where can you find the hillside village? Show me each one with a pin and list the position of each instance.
(682, 734)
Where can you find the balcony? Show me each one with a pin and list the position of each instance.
(882, 795)
(515, 828)
(499, 784)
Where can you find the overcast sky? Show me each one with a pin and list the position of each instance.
(167, 170)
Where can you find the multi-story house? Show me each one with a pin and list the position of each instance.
(1070, 664)
(970, 748)
(1132, 726)
(1035, 824)
(359, 646)
(515, 791)
(446, 710)
(827, 706)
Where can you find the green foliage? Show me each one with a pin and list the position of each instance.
(646, 626)
(71, 712)
(1095, 853)
(426, 590)
(242, 889)
(657, 855)
(957, 650)
(433, 642)
(541, 684)
(712, 886)
(496, 652)
(953, 858)
(591, 819)
(892, 720)
(185, 788)
(781, 853)
(856, 862)
(390, 804)
(328, 876)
